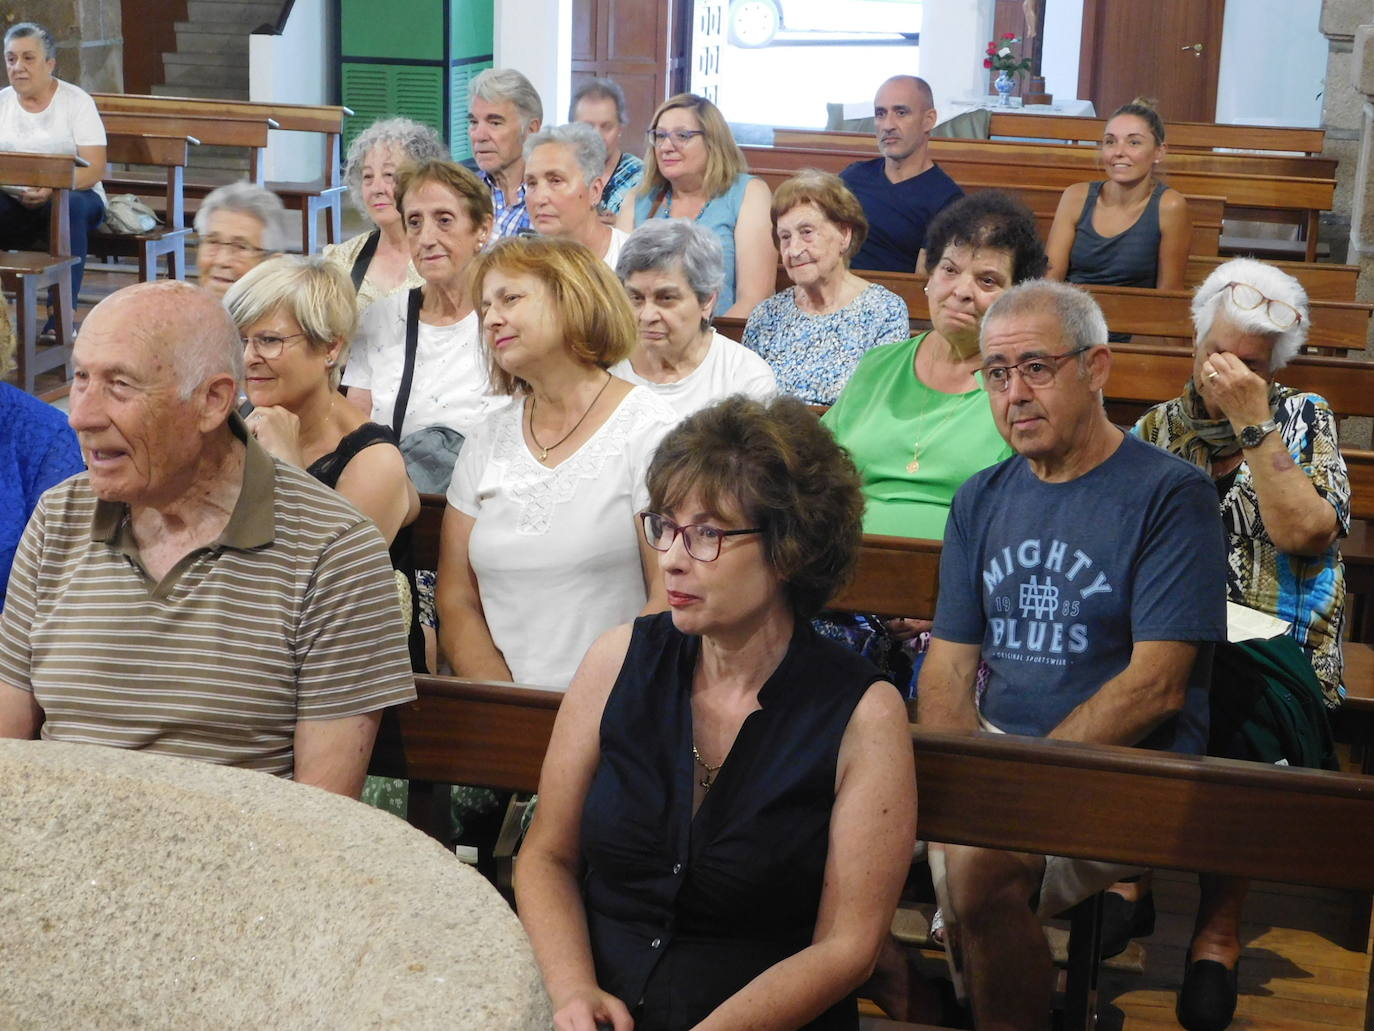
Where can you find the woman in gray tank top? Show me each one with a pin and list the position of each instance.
(1130, 229)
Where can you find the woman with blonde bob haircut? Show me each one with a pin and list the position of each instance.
(296, 316)
(814, 333)
(540, 550)
(694, 169)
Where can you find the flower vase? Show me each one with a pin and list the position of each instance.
(1004, 84)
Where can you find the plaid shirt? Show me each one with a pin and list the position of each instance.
(628, 171)
(510, 218)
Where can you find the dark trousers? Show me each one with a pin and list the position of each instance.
(20, 227)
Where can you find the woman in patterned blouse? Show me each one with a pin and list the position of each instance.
(1285, 503)
(814, 333)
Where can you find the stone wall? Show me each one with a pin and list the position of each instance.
(90, 44)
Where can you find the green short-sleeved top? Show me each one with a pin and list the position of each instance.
(881, 414)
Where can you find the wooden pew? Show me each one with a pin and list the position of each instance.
(25, 273)
(169, 153)
(1053, 797)
(1181, 136)
(322, 197)
(1290, 199)
(1322, 280)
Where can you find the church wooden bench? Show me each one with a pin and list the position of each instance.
(321, 197)
(1181, 136)
(170, 154)
(26, 273)
(1100, 802)
(1087, 157)
(1286, 199)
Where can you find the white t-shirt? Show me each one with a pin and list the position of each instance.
(451, 386)
(618, 238)
(69, 121)
(556, 551)
(728, 368)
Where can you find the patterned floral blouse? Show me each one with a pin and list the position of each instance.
(1306, 591)
(813, 356)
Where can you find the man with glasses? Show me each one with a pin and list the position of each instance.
(238, 226)
(1088, 573)
(904, 189)
(189, 594)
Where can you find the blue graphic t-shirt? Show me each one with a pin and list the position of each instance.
(1057, 581)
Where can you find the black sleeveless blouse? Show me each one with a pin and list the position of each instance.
(684, 911)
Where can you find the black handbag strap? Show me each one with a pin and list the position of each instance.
(364, 259)
(398, 415)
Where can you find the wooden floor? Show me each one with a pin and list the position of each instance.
(1296, 973)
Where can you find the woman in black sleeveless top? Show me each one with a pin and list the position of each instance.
(1130, 229)
(727, 808)
(296, 317)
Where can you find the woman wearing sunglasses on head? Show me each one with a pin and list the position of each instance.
(694, 169)
(728, 806)
(1285, 503)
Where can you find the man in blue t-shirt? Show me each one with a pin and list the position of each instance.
(1088, 572)
(904, 189)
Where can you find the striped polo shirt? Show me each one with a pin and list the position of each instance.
(291, 614)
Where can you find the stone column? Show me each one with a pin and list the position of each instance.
(90, 45)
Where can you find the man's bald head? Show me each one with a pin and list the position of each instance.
(189, 325)
(912, 82)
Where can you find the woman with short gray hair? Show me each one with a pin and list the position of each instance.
(378, 262)
(1285, 504)
(673, 269)
(237, 227)
(563, 181)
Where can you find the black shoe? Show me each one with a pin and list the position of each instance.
(1123, 920)
(1207, 1001)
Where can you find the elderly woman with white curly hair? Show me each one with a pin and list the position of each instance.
(379, 262)
(564, 177)
(1285, 503)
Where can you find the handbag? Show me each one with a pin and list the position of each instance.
(431, 452)
(126, 215)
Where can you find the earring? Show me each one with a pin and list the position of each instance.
(329, 363)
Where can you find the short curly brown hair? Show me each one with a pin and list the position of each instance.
(783, 471)
(834, 199)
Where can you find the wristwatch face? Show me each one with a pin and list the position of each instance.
(1251, 436)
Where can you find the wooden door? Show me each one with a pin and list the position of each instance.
(641, 45)
(1167, 49)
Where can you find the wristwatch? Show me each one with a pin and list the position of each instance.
(1252, 436)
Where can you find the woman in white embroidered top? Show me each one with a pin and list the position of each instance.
(41, 114)
(540, 551)
(672, 271)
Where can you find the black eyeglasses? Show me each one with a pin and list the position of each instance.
(701, 539)
(681, 137)
(1037, 372)
(268, 345)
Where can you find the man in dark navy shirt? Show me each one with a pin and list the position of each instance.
(904, 189)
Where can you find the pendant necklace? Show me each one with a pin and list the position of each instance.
(544, 451)
(710, 776)
(914, 466)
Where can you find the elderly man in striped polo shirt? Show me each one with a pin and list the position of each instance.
(189, 594)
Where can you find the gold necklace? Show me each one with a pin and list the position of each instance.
(914, 466)
(711, 771)
(544, 451)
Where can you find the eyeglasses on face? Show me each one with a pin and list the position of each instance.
(1037, 372)
(238, 248)
(701, 539)
(1247, 298)
(682, 137)
(268, 345)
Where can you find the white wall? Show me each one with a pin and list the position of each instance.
(535, 37)
(294, 68)
(954, 36)
(1273, 63)
(1059, 56)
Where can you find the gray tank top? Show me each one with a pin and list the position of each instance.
(1130, 258)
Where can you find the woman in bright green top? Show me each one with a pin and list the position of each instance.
(913, 416)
